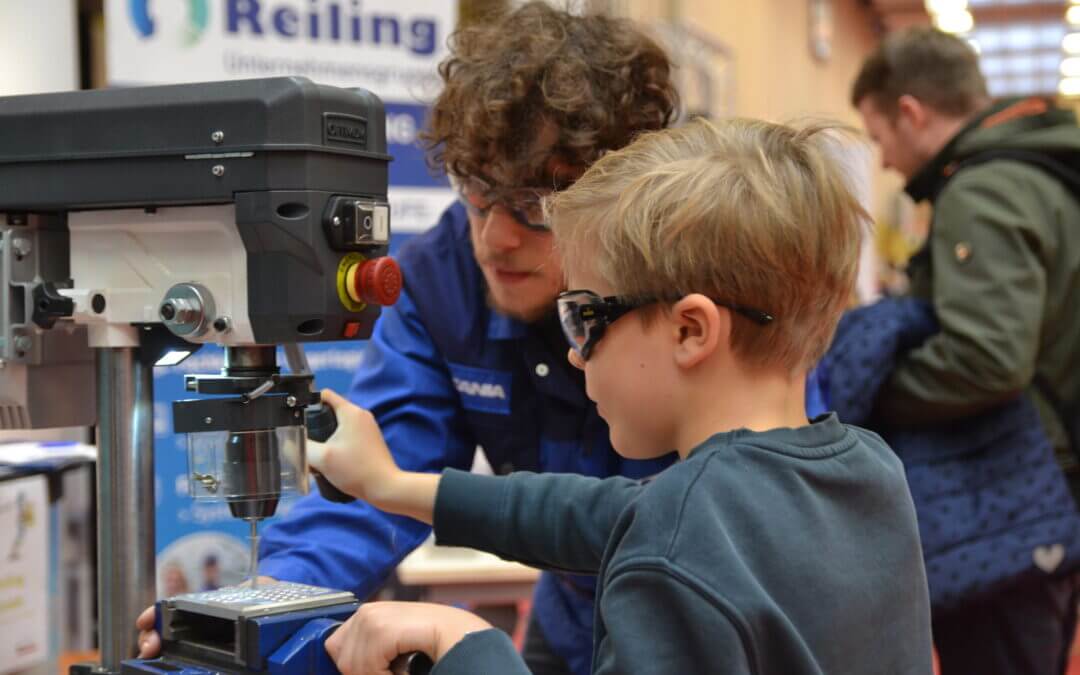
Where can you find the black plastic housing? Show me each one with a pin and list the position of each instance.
(279, 149)
(149, 146)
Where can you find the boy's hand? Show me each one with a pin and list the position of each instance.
(380, 631)
(355, 458)
(356, 461)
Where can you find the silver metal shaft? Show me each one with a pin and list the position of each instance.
(253, 570)
(297, 359)
(125, 493)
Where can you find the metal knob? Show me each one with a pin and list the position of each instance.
(187, 310)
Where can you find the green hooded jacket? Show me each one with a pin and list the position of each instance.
(1002, 268)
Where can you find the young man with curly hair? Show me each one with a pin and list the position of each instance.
(472, 353)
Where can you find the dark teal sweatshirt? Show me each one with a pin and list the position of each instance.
(783, 552)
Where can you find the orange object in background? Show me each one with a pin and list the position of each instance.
(68, 659)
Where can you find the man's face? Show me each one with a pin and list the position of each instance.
(895, 135)
(519, 263)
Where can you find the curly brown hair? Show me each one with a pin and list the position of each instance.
(596, 80)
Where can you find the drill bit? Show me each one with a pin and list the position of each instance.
(253, 571)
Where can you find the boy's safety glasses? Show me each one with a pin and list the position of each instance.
(584, 316)
(523, 204)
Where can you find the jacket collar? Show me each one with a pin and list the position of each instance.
(502, 327)
(927, 183)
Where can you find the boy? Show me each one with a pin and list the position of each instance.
(775, 545)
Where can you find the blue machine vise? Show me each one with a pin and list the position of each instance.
(277, 629)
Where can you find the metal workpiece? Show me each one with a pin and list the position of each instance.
(125, 495)
(238, 602)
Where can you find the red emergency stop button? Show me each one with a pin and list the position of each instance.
(375, 282)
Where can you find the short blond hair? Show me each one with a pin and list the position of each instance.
(743, 211)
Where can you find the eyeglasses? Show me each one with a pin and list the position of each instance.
(584, 316)
(523, 204)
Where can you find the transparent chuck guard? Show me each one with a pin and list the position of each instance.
(250, 471)
(247, 449)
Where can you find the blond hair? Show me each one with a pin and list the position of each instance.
(743, 211)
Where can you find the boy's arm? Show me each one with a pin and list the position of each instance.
(555, 521)
(559, 521)
(655, 623)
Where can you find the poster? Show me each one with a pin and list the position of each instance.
(24, 568)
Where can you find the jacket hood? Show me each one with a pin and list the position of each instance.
(1017, 124)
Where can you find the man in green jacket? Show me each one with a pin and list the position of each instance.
(1002, 269)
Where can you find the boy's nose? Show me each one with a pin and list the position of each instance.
(501, 231)
(575, 359)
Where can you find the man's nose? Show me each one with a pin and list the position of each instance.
(501, 231)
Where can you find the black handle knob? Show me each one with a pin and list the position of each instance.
(321, 424)
(413, 663)
(49, 305)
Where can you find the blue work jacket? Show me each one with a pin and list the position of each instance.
(443, 373)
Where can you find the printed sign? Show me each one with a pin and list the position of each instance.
(24, 555)
(390, 47)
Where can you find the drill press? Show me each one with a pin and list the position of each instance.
(137, 225)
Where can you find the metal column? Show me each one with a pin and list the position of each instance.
(125, 492)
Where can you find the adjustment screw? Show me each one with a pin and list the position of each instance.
(21, 247)
(168, 312)
(217, 137)
(290, 401)
(336, 221)
(208, 420)
(218, 170)
(222, 324)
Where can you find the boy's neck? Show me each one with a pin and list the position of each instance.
(757, 401)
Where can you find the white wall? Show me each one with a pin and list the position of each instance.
(39, 47)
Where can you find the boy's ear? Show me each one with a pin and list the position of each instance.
(700, 329)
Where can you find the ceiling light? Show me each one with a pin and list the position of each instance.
(946, 6)
(959, 21)
(1070, 67)
(1072, 15)
(1070, 86)
(1071, 43)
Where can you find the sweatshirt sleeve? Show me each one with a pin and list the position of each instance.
(655, 624)
(487, 651)
(552, 521)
